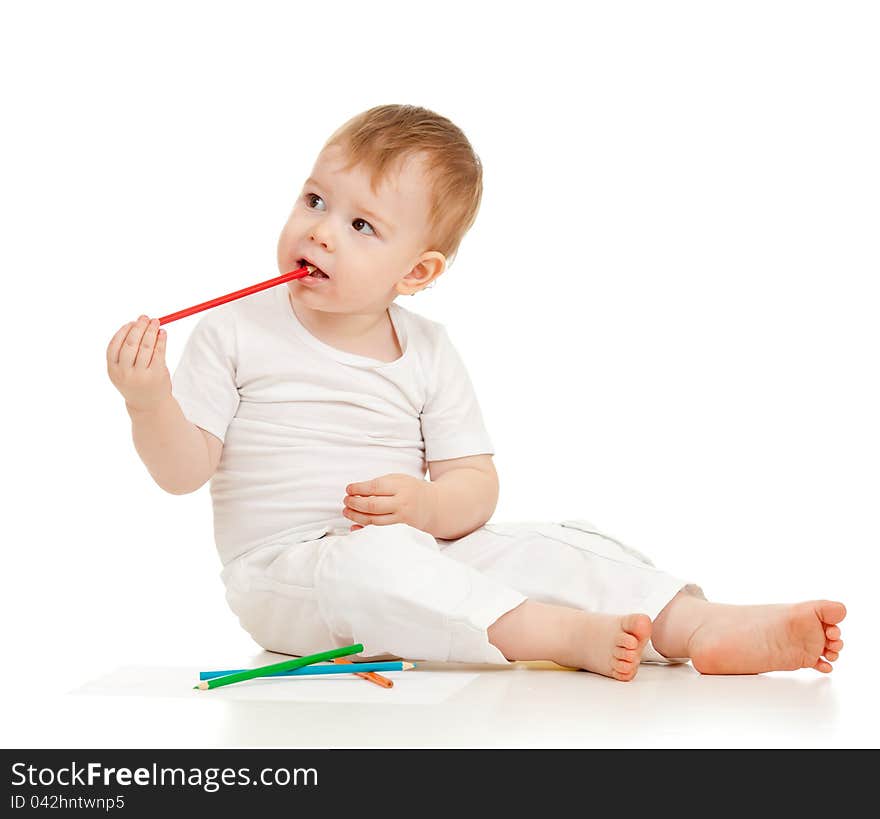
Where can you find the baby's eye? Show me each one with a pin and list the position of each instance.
(357, 222)
(310, 197)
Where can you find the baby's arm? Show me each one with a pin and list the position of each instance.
(180, 456)
(466, 494)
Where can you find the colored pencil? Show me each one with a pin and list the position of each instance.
(317, 668)
(378, 679)
(299, 273)
(284, 665)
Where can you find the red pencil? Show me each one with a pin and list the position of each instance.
(299, 273)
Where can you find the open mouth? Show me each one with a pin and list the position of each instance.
(316, 272)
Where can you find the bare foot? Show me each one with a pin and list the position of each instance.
(607, 644)
(754, 639)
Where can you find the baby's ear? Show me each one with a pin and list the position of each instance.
(429, 267)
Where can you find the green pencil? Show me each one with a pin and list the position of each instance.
(285, 665)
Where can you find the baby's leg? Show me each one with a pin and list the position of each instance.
(607, 644)
(590, 598)
(392, 589)
(724, 639)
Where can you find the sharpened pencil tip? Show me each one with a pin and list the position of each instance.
(407, 666)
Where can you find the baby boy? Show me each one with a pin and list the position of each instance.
(315, 409)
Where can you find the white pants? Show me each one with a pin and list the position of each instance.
(402, 593)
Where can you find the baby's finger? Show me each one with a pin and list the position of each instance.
(148, 344)
(378, 486)
(159, 352)
(132, 341)
(367, 520)
(116, 343)
(371, 505)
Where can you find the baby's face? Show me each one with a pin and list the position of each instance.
(371, 246)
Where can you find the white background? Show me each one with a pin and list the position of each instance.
(668, 304)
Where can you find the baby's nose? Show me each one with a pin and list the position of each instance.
(322, 242)
(320, 234)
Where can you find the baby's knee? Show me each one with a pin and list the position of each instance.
(373, 566)
(373, 556)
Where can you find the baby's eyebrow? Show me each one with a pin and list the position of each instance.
(375, 217)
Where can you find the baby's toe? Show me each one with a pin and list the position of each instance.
(832, 632)
(638, 626)
(623, 671)
(629, 641)
(831, 656)
(822, 666)
(834, 645)
(830, 611)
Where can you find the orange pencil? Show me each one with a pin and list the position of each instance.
(372, 676)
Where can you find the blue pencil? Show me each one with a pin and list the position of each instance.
(321, 668)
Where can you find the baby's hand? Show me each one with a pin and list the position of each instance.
(136, 363)
(390, 499)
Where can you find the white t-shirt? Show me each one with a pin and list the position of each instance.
(300, 420)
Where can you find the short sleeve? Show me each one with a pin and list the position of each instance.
(204, 382)
(452, 423)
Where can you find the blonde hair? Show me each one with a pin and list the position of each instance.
(386, 135)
